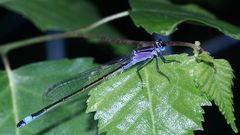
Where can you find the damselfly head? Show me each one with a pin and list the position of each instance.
(160, 45)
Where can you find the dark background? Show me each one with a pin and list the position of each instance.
(15, 27)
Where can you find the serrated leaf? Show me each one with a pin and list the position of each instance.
(160, 107)
(216, 82)
(205, 57)
(163, 17)
(22, 95)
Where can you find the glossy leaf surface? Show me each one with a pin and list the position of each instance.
(160, 107)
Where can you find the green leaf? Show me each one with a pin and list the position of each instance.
(216, 82)
(22, 94)
(163, 17)
(59, 15)
(160, 107)
(205, 57)
(2, 1)
(64, 15)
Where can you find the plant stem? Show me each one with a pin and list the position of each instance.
(5, 48)
(103, 21)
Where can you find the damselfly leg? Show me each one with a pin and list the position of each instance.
(167, 61)
(141, 67)
(158, 69)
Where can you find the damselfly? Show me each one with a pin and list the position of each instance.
(64, 90)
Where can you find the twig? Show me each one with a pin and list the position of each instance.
(5, 48)
(103, 21)
(186, 44)
(81, 33)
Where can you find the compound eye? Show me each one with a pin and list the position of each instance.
(162, 43)
(158, 43)
(162, 48)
